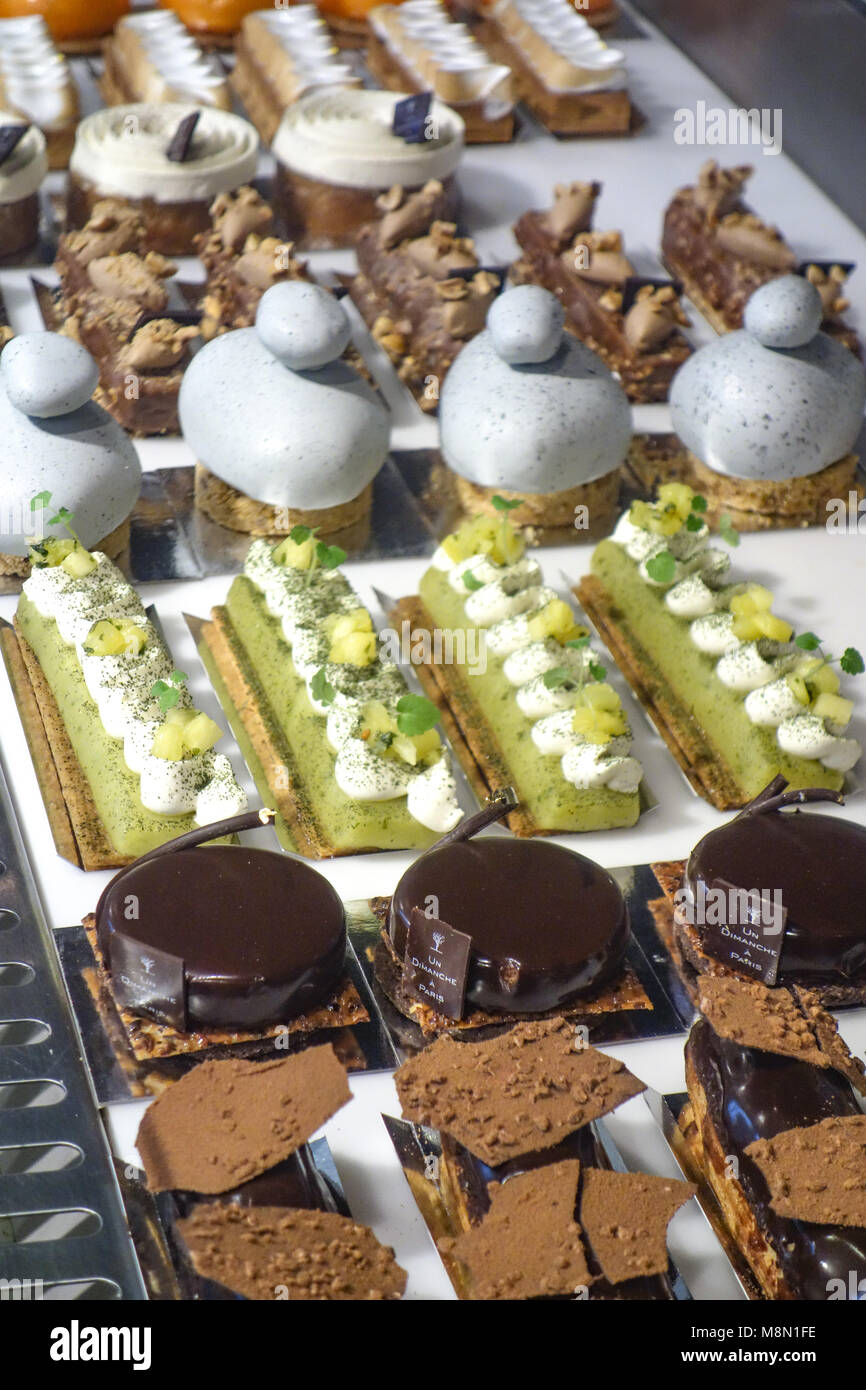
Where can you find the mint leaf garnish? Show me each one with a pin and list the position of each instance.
(299, 534)
(728, 531)
(807, 641)
(39, 501)
(578, 642)
(503, 505)
(693, 522)
(662, 567)
(416, 714)
(597, 671)
(852, 662)
(177, 677)
(699, 503)
(471, 582)
(321, 688)
(329, 556)
(559, 675)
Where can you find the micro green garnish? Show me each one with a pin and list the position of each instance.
(504, 506)
(850, 661)
(558, 677)
(299, 534)
(471, 582)
(807, 641)
(167, 693)
(63, 516)
(578, 642)
(326, 557)
(597, 671)
(699, 503)
(661, 567)
(694, 522)
(321, 688)
(728, 531)
(416, 714)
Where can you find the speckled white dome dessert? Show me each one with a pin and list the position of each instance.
(274, 412)
(776, 400)
(528, 408)
(54, 438)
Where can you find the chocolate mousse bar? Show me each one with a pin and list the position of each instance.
(420, 287)
(632, 323)
(722, 252)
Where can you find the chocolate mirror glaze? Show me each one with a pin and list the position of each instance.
(222, 936)
(546, 924)
(818, 863)
(755, 1095)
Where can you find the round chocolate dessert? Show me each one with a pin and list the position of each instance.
(547, 925)
(221, 936)
(813, 868)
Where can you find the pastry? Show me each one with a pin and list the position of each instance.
(351, 759)
(634, 324)
(420, 288)
(773, 1126)
(288, 384)
(530, 1206)
(769, 414)
(23, 166)
(167, 161)
(212, 21)
(247, 1210)
(524, 690)
(115, 299)
(75, 24)
(280, 55)
(36, 84)
(415, 46)
(722, 252)
(735, 695)
(527, 413)
(570, 80)
(792, 876)
(150, 57)
(337, 151)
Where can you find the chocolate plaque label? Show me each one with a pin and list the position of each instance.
(410, 118)
(144, 978)
(436, 963)
(745, 931)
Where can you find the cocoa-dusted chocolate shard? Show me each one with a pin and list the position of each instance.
(515, 1094)
(832, 1045)
(755, 1016)
(529, 1244)
(817, 1173)
(625, 1217)
(226, 1122)
(271, 1253)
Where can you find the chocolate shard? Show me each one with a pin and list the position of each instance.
(410, 118)
(10, 137)
(832, 1045)
(273, 1253)
(181, 141)
(625, 1217)
(817, 1173)
(529, 1244)
(515, 1094)
(226, 1122)
(755, 1016)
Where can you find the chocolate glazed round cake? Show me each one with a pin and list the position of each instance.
(817, 866)
(547, 925)
(222, 936)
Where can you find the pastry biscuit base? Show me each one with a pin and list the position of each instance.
(228, 507)
(253, 88)
(391, 73)
(114, 545)
(600, 497)
(699, 761)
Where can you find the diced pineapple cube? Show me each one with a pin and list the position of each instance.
(179, 716)
(377, 720)
(819, 677)
(776, 629)
(598, 726)
(798, 688)
(298, 555)
(339, 625)
(556, 620)
(653, 519)
(78, 562)
(134, 636)
(678, 496)
(402, 746)
(601, 696)
(51, 551)
(200, 733)
(834, 708)
(754, 598)
(168, 743)
(355, 649)
(745, 628)
(426, 743)
(104, 639)
(455, 547)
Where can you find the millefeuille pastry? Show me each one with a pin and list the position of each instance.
(570, 80)
(115, 299)
(167, 161)
(420, 288)
(775, 1128)
(76, 25)
(415, 46)
(23, 166)
(332, 735)
(528, 413)
(735, 695)
(247, 1212)
(285, 432)
(36, 84)
(520, 686)
(722, 252)
(633, 323)
(337, 151)
(280, 55)
(151, 57)
(530, 1206)
(769, 414)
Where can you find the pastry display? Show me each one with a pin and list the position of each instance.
(350, 758)
(809, 917)
(722, 252)
(420, 287)
(415, 46)
(570, 80)
(76, 25)
(774, 1127)
(532, 1209)
(769, 414)
(23, 166)
(168, 161)
(528, 413)
(337, 151)
(524, 692)
(280, 55)
(36, 84)
(150, 57)
(634, 324)
(115, 299)
(308, 434)
(738, 698)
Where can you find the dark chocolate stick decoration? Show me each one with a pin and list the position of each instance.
(498, 805)
(10, 136)
(179, 145)
(774, 796)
